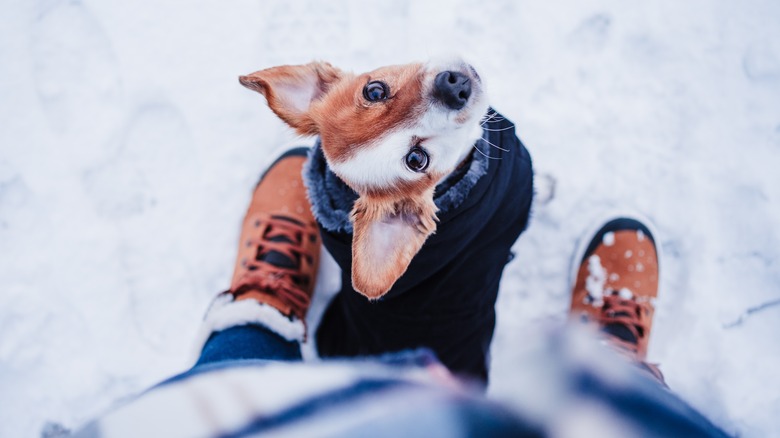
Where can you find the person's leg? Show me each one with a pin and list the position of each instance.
(590, 390)
(262, 315)
(570, 384)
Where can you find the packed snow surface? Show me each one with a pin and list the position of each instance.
(128, 151)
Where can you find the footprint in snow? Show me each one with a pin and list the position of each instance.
(306, 31)
(15, 195)
(74, 70)
(154, 159)
(592, 34)
(150, 191)
(761, 61)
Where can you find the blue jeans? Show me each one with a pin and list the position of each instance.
(238, 346)
(248, 342)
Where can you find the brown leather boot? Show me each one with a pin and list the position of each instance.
(278, 256)
(616, 286)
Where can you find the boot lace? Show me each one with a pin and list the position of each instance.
(275, 269)
(623, 319)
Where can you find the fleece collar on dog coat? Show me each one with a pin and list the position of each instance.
(332, 199)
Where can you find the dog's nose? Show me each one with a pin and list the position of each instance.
(452, 89)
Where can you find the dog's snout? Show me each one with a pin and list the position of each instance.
(452, 88)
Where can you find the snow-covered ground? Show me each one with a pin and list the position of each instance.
(128, 150)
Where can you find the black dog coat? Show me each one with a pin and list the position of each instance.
(445, 300)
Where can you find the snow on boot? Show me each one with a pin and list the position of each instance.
(616, 285)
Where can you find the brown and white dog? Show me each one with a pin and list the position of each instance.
(391, 134)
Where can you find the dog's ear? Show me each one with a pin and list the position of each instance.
(387, 235)
(290, 89)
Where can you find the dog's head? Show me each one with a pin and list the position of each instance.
(391, 134)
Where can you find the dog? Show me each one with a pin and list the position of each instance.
(398, 137)
(391, 134)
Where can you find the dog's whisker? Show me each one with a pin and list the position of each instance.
(485, 155)
(495, 146)
(493, 118)
(487, 117)
(497, 130)
(483, 124)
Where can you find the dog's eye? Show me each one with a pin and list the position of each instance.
(375, 91)
(417, 159)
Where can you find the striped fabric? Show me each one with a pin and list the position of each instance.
(249, 398)
(565, 386)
